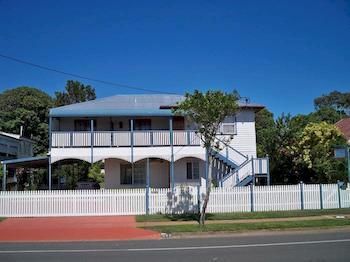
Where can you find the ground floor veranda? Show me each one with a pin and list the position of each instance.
(118, 173)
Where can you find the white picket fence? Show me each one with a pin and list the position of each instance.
(161, 200)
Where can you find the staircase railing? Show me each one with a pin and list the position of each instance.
(238, 174)
(230, 153)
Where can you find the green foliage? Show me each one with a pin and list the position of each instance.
(95, 173)
(71, 171)
(239, 227)
(27, 107)
(75, 92)
(208, 110)
(313, 151)
(243, 215)
(277, 138)
(336, 100)
(265, 132)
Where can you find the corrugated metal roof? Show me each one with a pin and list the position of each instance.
(125, 105)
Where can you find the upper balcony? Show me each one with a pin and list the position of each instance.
(137, 138)
(122, 132)
(126, 132)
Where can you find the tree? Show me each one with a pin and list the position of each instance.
(27, 107)
(336, 100)
(208, 110)
(313, 152)
(265, 133)
(95, 173)
(71, 172)
(75, 92)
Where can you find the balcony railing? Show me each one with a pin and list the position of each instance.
(124, 138)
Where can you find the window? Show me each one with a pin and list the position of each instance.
(83, 125)
(228, 126)
(192, 170)
(139, 177)
(178, 123)
(125, 175)
(142, 124)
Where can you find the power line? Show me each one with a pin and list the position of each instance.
(81, 76)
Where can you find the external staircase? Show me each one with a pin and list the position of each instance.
(232, 168)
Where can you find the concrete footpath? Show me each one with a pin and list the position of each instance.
(45, 229)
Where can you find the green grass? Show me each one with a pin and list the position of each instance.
(2, 218)
(322, 223)
(247, 215)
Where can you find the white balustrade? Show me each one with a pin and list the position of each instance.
(142, 138)
(194, 138)
(102, 138)
(61, 139)
(260, 166)
(180, 138)
(161, 138)
(81, 139)
(121, 138)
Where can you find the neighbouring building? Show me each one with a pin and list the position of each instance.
(344, 127)
(14, 146)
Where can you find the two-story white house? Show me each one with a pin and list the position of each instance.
(142, 143)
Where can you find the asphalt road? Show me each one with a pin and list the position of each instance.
(281, 246)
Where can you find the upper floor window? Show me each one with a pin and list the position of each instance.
(228, 126)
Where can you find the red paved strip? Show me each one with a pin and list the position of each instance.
(73, 229)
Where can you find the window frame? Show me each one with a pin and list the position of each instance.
(126, 170)
(192, 175)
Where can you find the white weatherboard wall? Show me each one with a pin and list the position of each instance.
(245, 140)
(133, 201)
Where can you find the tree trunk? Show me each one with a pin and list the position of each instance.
(205, 203)
(208, 189)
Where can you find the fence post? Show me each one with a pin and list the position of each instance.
(147, 186)
(199, 198)
(321, 197)
(251, 197)
(301, 195)
(253, 171)
(339, 197)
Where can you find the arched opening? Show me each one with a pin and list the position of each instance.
(189, 170)
(71, 174)
(122, 174)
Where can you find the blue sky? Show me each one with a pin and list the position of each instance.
(279, 53)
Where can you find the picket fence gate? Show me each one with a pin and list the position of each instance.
(185, 199)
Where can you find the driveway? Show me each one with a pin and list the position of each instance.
(73, 229)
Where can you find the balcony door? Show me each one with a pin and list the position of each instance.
(178, 123)
(83, 125)
(143, 124)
